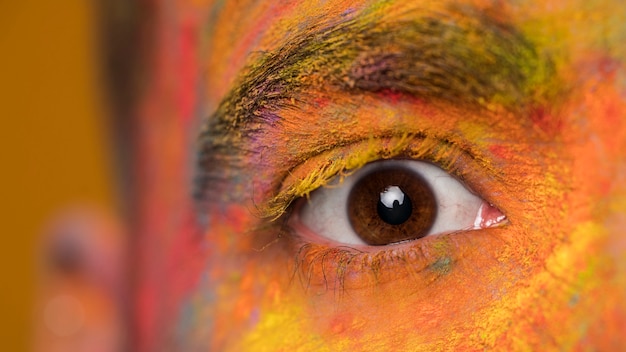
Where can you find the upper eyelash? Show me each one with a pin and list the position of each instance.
(443, 151)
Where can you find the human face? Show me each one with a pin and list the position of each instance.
(256, 106)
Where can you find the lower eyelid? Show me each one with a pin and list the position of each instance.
(320, 267)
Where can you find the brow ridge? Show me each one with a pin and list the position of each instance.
(464, 57)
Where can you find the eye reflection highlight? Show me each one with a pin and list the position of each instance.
(394, 206)
(389, 202)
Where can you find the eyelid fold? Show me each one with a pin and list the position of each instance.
(319, 170)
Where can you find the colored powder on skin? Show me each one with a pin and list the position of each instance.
(528, 308)
(526, 313)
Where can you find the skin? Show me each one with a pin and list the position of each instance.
(227, 269)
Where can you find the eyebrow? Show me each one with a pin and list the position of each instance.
(463, 57)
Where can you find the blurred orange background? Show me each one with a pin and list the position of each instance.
(54, 139)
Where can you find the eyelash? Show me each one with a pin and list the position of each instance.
(444, 152)
(320, 266)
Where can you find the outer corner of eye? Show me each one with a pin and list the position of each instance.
(392, 201)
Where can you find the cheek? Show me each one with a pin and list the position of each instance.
(248, 280)
(600, 169)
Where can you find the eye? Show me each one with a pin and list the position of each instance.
(392, 201)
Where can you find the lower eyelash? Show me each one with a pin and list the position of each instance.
(320, 268)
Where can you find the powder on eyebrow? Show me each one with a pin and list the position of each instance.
(464, 57)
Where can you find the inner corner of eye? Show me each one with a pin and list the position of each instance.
(392, 201)
(489, 216)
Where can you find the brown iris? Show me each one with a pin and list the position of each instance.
(391, 205)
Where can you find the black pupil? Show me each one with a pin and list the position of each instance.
(394, 206)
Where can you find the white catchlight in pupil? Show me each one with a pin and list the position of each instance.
(391, 194)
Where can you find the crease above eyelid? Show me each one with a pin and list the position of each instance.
(313, 173)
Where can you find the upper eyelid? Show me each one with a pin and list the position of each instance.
(285, 194)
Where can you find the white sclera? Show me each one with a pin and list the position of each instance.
(326, 212)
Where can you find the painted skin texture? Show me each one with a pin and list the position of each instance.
(254, 105)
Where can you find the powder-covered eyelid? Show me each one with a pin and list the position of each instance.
(346, 267)
(317, 171)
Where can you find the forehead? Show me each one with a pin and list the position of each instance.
(237, 32)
